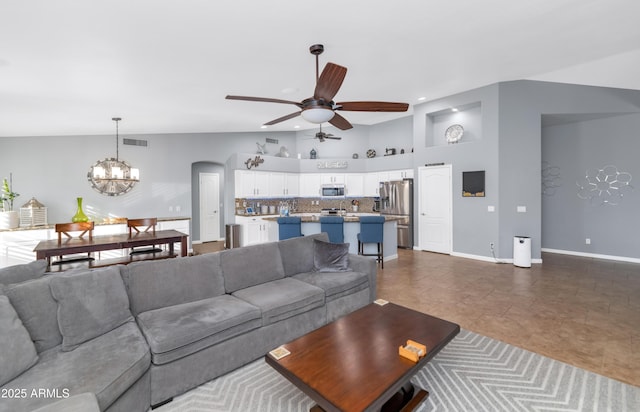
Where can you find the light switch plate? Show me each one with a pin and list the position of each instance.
(521, 209)
(491, 208)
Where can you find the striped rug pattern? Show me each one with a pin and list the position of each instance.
(472, 373)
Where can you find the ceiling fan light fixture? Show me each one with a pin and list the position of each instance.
(317, 115)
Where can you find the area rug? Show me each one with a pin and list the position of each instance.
(472, 373)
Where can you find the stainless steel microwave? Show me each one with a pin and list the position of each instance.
(333, 190)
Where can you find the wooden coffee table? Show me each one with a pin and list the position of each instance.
(352, 364)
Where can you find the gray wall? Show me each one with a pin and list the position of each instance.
(473, 226)
(573, 148)
(507, 144)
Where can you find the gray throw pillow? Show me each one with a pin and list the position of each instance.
(330, 257)
(90, 304)
(17, 352)
(20, 273)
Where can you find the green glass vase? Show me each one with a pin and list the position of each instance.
(79, 216)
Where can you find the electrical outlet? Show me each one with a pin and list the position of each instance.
(491, 245)
(587, 241)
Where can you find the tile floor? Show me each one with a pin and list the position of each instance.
(582, 311)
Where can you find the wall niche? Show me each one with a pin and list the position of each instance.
(454, 125)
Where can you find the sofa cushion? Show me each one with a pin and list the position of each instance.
(107, 365)
(283, 298)
(84, 402)
(336, 284)
(330, 257)
(17, 353)
(38, 311)
(297, 253)
(90, 304)
(154, 284)
(177, 331)
(20, 273)
(251, 265)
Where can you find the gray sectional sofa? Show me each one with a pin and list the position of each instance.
(138, 335)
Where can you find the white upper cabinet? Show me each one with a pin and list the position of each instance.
(332, 178)
(401, 174)
(251, 184)
(354, 183)
(372, 184)
(310, 184)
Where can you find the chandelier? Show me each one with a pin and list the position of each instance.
(112, 176)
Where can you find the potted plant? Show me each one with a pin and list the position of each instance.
(9, 219)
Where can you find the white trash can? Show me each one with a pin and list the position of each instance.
(522, 251)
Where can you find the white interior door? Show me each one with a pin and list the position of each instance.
(435, 209)
(209, 207)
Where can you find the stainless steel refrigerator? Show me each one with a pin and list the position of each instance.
(396, 199)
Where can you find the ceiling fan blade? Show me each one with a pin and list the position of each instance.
(283, 118)
(333, 137)
(340, 122)
(372, 106)
(263, 99)
(329, 82)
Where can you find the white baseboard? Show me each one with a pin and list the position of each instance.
(592, 255)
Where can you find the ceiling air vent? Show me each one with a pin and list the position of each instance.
(135, 142)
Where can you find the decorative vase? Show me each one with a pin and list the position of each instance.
(79, 216)
(9, 220)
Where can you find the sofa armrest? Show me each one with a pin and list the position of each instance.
(366, 265)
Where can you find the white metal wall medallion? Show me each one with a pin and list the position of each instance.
(606, 186)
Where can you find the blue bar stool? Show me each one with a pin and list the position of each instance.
(289, 227)
(333, 225)
(372, 231)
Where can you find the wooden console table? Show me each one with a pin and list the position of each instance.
(48, 248)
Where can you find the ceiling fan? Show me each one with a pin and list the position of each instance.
(321, 108)
(321, 136)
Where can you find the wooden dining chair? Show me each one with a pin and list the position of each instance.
(69, 230)
(139, 226)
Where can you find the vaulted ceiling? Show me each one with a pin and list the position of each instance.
(67, 67)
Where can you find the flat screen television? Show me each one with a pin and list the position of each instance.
(473, 184)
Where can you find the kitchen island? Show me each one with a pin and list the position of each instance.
(311, 225)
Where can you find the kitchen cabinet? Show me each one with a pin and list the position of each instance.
(372, 184)
(332, 178)
(284, 184)
(401, 174)
(251, 184)
(256, 230)
(354, 182)
(310, 184)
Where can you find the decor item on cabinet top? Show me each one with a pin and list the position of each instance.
(79, 216)
(313, 154)
(253, 162)
(390, 151)
(371, 153)
(33, 213)
(112, 176)
(8, 195)
(9, 219)
(262, 148)
(283, 152)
